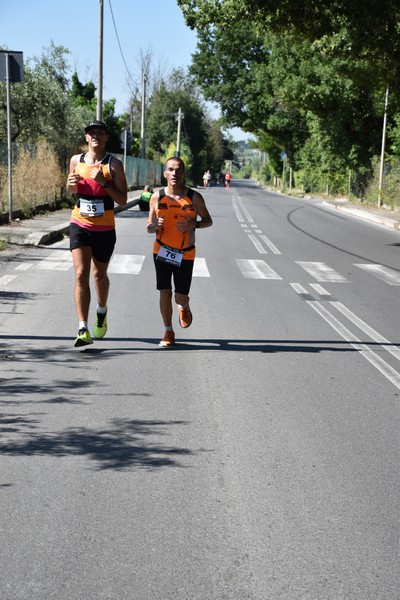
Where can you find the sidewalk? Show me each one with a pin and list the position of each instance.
(46, 229)
(381, 216)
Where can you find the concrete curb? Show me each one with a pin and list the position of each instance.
(34, 232)
(365, 215)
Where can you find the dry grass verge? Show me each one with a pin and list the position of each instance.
(37, 179)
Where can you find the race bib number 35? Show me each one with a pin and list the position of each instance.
(170, 255)
(91, 208)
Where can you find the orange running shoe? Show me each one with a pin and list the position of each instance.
(185, 316)
(168, 340)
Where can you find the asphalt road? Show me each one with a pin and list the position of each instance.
(257, 460)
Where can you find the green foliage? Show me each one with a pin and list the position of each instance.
(41, 106)
(359, 29)
(311, 86)
(83, 94)
(198, 135)
(390, 193)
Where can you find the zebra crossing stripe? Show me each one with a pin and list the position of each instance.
(127, 264)
(200, 268)
(7, 279)
(256, 269)
(56, 261)
(132, 264)
(386, 274)
(321, 272)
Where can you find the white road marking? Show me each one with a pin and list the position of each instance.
(24, 266)
(383, 367)
(200, 268)
(256, 269)
(321, 291)
(239, 215)
(244, 209)
(56, 261)
(7, 279)
(47, 265)
(257, 244)
(241, 210)
(127, 264)
(377, 337)
(321, 272)
(386, 274)
(270, 244)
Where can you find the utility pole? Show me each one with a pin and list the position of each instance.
(99, 110)
(179, 117)
(383, 149)
(143, 126)
(11, 70)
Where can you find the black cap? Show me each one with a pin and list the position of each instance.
(94, 124)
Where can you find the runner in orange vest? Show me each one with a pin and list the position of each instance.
(97, 180)
(173, 217)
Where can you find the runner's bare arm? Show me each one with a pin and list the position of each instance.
(154, 224)
(117, 189)
(202, 211)
(73, 177)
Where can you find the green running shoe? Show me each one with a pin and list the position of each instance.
(100, 327)
(83, 338)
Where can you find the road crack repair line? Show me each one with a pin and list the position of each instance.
(372, 357)
(250, 228)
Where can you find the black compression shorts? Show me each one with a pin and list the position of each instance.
(101, 242)
(182, 275)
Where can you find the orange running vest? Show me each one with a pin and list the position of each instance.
(174, 210)
(89, 189)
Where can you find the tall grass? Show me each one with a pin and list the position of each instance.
(37, 179)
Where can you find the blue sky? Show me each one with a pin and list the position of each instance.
(157, 25)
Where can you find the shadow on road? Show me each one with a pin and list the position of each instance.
(113, 346)
(124, 445)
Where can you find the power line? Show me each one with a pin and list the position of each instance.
(120, 48)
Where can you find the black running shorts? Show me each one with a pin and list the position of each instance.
(182, 276)
(101, 242)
